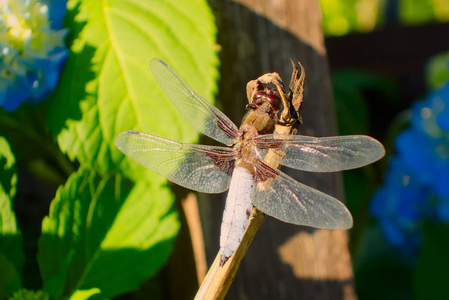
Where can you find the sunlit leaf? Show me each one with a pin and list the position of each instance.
(8, 177)
(102, 232)
(107, 86)
(84, 294)
(11, 254)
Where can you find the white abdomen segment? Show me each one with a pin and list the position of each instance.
(237, 211)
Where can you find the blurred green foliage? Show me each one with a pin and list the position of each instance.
(342, 17)
(380, 270)
(430, 274)
(437, 72)
(414, 12)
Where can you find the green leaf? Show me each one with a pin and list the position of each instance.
(103, 232)
(431, 273)
(24, 294)
(33, 145)
(352, 111)
(84, 294)
(11, 254)
(9, 273)
(352, 108)
(437, 71)
(380, 272)
(107, 87)
(414, 12)
(8, 177)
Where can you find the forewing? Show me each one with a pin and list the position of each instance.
(201, 168)
(205, 117)
(326, 154)
(284, 198)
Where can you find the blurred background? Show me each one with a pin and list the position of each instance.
(66, 190)
(389, 62)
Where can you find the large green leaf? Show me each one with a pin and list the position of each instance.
(107, 86)
(11, 254)
(102, 232)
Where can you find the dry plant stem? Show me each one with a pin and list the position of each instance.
(219, 279)
(190, 207)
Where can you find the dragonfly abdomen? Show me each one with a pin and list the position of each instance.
(237, 211)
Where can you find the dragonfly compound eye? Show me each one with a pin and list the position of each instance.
(267, 95)
(259, 97)
(274, 101)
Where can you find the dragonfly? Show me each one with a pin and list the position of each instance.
(244, 168)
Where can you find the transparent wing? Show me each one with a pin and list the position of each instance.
(205, 117)
(326, 154)
(284, 198)
(205, 169)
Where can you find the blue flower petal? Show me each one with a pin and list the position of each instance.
(412, 147)
(30, 71)
(443, 120)
(443, 209)
(443, 114)
(441, 182)
(400, 205)
(57, 11)
(16, 94)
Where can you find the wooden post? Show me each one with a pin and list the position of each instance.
(284, 261)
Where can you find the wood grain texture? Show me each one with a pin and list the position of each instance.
(284, 261)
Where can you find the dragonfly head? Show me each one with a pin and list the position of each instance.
(267, 97)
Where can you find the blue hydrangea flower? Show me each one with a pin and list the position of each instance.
(32, 50)
(416, 186)
(425, 146)
(400, 205)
